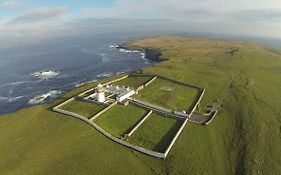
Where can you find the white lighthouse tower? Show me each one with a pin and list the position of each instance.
(100, 93)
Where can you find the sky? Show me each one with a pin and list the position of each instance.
(27, 20)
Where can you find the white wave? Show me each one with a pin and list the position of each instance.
(3, 98)
(17, 83)
(128, 51)
(104, 75)
(143, 55)
(118, 73)
(45, 74)
(43, 97)
(81, 84)
(10, 99)
(114, 46)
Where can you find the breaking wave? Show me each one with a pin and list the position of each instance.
(128, 51)
(106, 74)
(17, 83)
(10, 99)
(81, 84)
(43, 97)
(143, 55)
(113, 46)
(45, 74)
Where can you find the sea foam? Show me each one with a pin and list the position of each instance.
(43, 97)
(45, 74)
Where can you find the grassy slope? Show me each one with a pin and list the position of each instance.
(119, 119)
(245, 138)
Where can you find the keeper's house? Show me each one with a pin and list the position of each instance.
(125, 95)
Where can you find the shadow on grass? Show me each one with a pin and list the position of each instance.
(195, 101)
(163, 144)
(135, 124)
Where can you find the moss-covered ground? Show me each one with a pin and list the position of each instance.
(244, 138)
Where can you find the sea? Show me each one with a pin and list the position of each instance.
(37, 73)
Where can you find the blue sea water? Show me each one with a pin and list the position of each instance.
(55, 66)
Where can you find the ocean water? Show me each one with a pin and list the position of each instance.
(39, 72)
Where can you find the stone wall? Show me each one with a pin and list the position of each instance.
(175, 137)
(168, 79)
(139, 103)
(212, 116)
(103, 111)
(150, 81)
(137, 148)
(139, 124)
(118, 79)
(198, 101)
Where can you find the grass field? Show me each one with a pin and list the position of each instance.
(86, 109)
(168, 94)
(156, 132)
(120, 119)
(244, 138)
(133, 82)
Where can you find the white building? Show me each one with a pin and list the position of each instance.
(100, 93)
(122, 93)
(125, 95)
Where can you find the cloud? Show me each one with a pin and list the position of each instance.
(251, 17)
(257, 15)
(175, 8)
(10, 3)
(39, 15)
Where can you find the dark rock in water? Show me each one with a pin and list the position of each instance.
(150, 53)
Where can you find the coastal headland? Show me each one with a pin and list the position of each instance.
(244, 137)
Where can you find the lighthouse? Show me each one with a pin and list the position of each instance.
(100, 93)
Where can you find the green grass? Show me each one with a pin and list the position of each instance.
(120, 119)
(133, 82)
(244, 138)
(168, 94)
(156, 133)
(86, 109)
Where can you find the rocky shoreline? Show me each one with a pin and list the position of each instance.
(149, 53)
